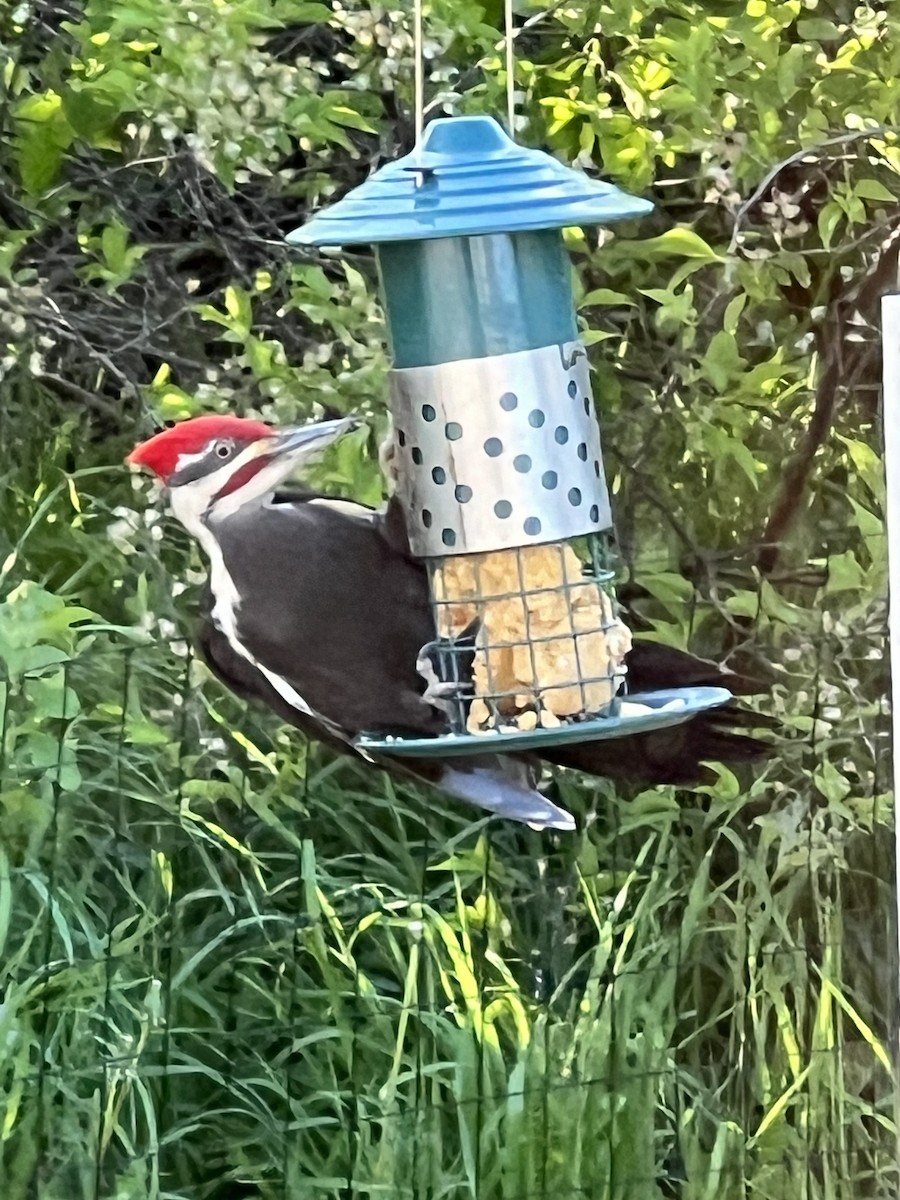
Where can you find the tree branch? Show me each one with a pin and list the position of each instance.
(842, 362)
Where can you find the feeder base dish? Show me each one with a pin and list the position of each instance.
(668, 706)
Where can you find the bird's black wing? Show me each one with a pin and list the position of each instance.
(331, 608)
(652, 665)
(490, 782)
(246, 681)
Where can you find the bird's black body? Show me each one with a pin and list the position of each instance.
(353, 612)
(332, 604)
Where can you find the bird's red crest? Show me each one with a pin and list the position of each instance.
(161, 452)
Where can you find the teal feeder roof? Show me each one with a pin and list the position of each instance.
(467, 178)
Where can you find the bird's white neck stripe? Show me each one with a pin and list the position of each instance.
(226, 602)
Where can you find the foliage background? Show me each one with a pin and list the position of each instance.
(234, 968)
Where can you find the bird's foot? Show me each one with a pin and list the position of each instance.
(446, 696)
(439, 690)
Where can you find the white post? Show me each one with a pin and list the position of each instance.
(890, 407)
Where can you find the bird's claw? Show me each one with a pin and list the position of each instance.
(440, 690)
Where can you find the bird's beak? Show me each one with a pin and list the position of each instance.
(307, 439)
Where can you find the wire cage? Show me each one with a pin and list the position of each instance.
(530, 635)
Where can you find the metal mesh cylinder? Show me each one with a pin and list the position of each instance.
(530, 636)
(498, 452)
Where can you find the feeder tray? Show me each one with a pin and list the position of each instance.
(670, 706)
(496, 448)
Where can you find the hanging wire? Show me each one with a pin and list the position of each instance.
(419, 54)
(510, 67)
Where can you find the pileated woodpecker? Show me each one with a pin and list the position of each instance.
(314, 607)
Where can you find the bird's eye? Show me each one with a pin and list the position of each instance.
(223, 449)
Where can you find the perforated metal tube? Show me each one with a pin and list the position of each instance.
(499, 452)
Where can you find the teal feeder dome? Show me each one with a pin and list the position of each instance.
(496, 447)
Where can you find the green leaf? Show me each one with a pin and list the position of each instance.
(114, 243)
(52, 699)
(174, 404)
(844, 573)
(668, 587)
(342, 115)
(40, 157)
(733, 312)
(817, 29)
(675, 243)
(722, 360)
(238, 307)
(88, 114)
(308, 12)
(831, 783)
(866, 522)
(30, 659)
(30, 618)
(727, 788)
(869, 465)
(40, 107)
(605, 296)
(744, 604)
(145, 733)
(828, 220)
(777, 607)
(872, 189)
(590, 337)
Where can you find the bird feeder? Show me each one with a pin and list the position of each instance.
(496, 448)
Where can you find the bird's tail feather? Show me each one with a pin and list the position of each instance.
(653, 665)
(678, 755)
(493, 789)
